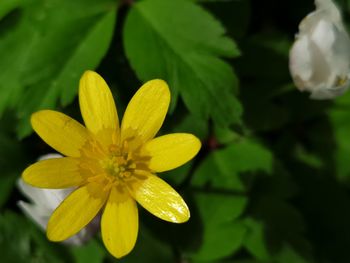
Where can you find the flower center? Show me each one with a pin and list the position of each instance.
(115, 165)
(118, 167)
(341, 81)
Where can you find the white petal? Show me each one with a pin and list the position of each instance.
(37, 214)
(45, 201)
(46, 198)
(320, 56)
(323, 35)
(300, 62)
(49, 156)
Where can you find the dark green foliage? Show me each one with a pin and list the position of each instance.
(184, 50)
(44, 52)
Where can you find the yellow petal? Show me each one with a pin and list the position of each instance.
(146, 111)
(60, 131)
(76, 211)
(54, 173)
(119, 224)
(97, 104)
(160, 199)
(170, 151)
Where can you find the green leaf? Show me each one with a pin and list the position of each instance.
(256, 242)
(21, 241)
(225, 135)
(45, 54)
(7, 183)
(210, 172)
(178, 175)
(245, 156)
(12, 160)
(92, 252)
(339, 117)
(223, 234)
(7, 6)
(194, 125)
(307, 157)
(223, 167)
(185, 51)
(276, 224)
(149, 250)
(289, 255)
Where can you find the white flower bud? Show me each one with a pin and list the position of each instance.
(45, 201)
(320, 56)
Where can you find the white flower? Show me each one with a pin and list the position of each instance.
(320, 56)
(45, 201)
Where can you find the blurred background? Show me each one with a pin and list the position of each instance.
(271, 183)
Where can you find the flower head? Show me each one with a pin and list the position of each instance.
(111, 166)
(320, 56)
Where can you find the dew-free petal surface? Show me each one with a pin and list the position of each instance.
(146, 111)
(119, 225)
(76, 211)
(97, 104)
(54, 173)
(60, 131)
(171, 151)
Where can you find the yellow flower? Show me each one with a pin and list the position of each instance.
(112, 166)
